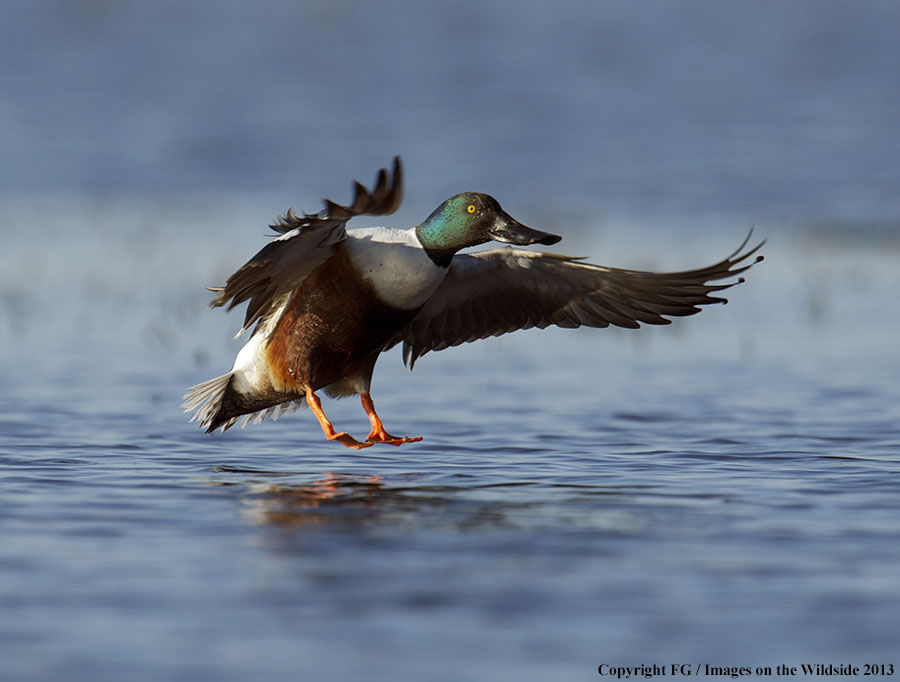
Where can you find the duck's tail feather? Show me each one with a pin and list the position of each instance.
(206, 401)
(273, 412)
(216, 403)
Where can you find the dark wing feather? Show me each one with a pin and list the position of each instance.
(494, 292)
(383, 199)
(305, 241)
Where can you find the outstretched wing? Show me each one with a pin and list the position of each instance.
(495, 292)
(305, 241)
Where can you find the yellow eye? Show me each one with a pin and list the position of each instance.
(471, 208)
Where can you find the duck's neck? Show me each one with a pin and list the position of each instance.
(437, 249)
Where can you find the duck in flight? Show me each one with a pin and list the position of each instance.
(325, 301)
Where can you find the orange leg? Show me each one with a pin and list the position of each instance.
(343, 437)
(378, 434)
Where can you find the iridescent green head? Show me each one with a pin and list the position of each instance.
(469, 219)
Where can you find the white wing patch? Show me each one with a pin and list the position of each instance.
(395, 264)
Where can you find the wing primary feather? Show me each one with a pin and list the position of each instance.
(494, 292)
(304, 240)
(383, 199)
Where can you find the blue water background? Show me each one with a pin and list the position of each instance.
(725, 490)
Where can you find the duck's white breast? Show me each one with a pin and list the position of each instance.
(395, 264)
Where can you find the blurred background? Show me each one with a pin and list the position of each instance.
(146, 145)
(723, 487)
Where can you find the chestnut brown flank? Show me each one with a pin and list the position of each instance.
(330, 328)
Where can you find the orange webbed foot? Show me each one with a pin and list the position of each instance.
(341, 437)
(378, 434)
(384, 437)
(349, 441)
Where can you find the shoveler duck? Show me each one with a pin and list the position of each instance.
(327, 301)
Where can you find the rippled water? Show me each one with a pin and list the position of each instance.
(701, 493)
(724, 490)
